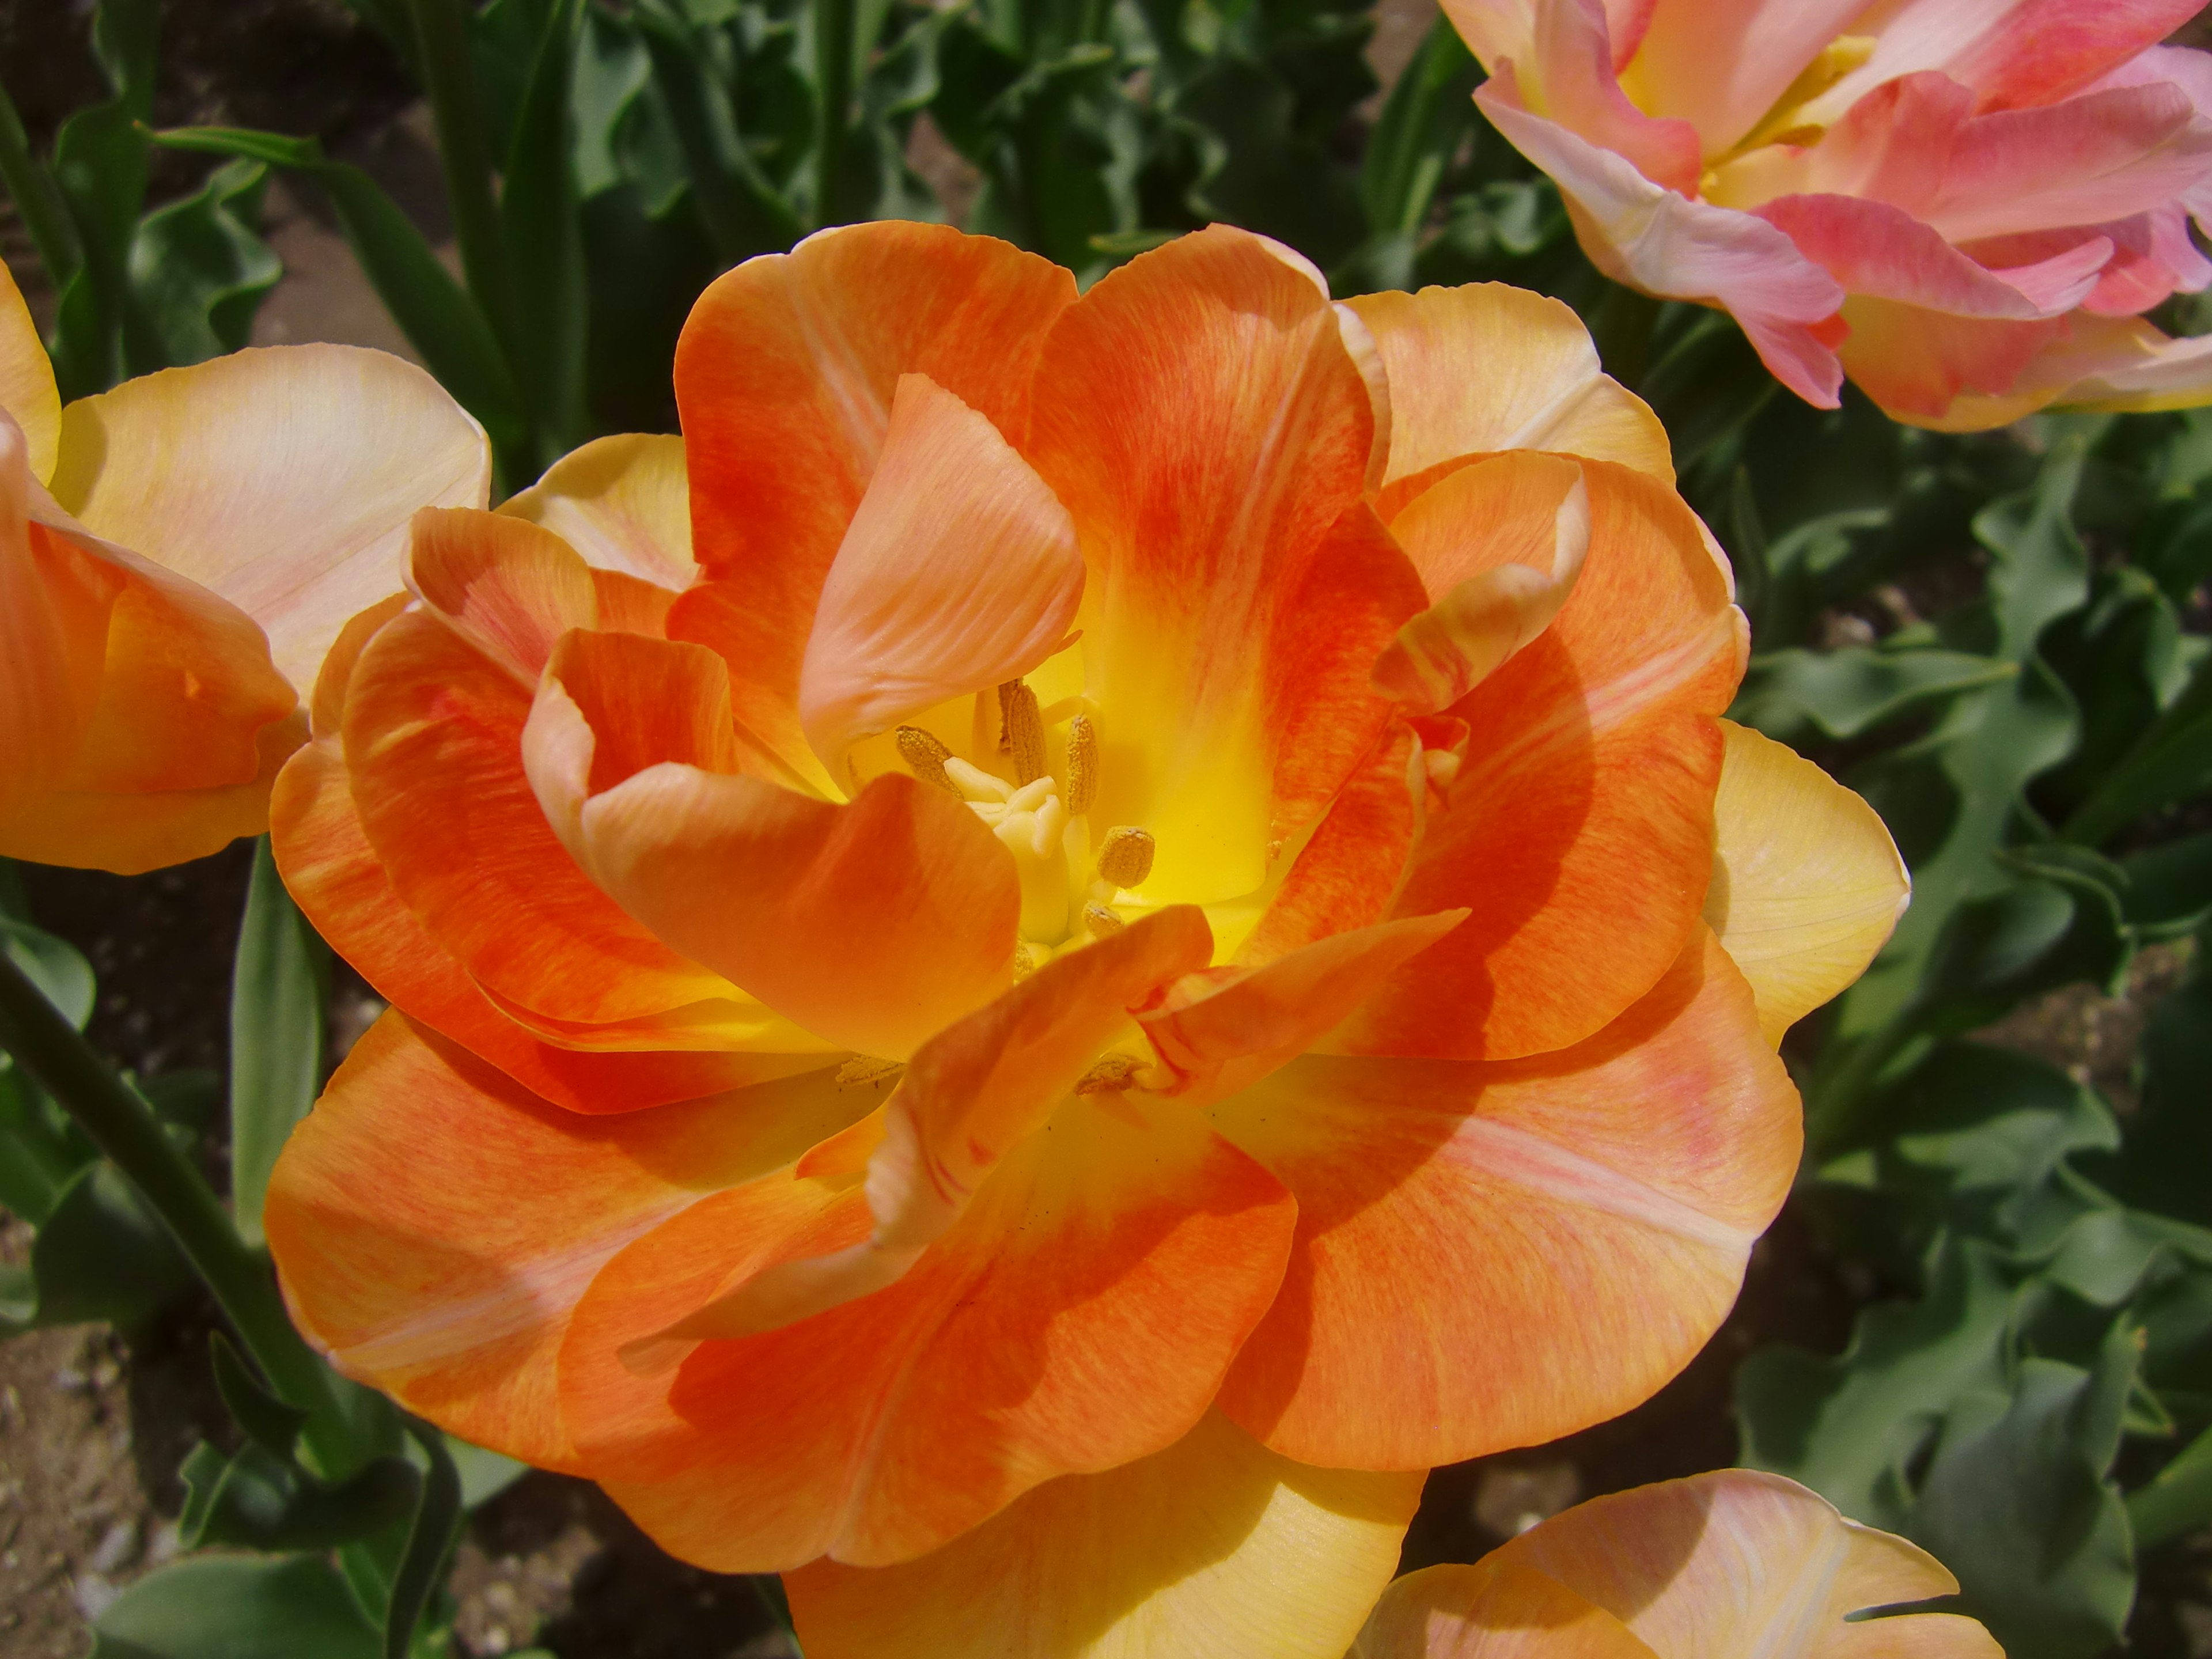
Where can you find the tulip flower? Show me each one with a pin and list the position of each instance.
(1075, 937)
(1966, 209)
(176, 556)
(1729, 1565)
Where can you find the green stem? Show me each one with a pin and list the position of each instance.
(833, 79)
(38, 199)
(127, 1130)
(442, 37)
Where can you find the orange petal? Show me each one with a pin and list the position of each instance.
(1496, 586)
(281, 478)
(1200, 416)
(1487, 368)
(1492, 1610)
(1322, 704)
(327, 707)
(1578, 829)
(1807, 885)
(623, 502)
(1215, 1548)
(784, 380)
(508, 587)
(1494, 1255)
(330, 868)
(27, 395)
(871, 924)
(726, 617)
(433, 738)
(1347, 873)
(434, 1223)
(1223, 1031)
(971, 1094)
(958, 572)
(1737, 1565)
(1078, 1316)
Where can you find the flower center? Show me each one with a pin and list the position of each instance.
(1071, 879)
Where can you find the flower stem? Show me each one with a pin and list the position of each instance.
(125, 1130)
(37, 199)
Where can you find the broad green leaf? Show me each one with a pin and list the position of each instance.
(214, 1607)
(2166, 891)
(1424, 120)
(100, 167)
(1798, 696)
(538, 215)
(99, 1255)
(484, 1474)
(1849, 1427)
(2017, 1503)
(279, 987)
(1706, 387)
(39, 1154)
(199, 270)
(265, 1420)
(54, 965)
(2171, 761)
(2178, 1501)
(743, 212)
(257, 1500)
(437, 1524)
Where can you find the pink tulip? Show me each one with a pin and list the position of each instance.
(1965, 205)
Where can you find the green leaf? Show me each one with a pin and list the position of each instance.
(199, 270)
(484, 1474)
(537, 212)
(1849, 1427)
(743, 212)
(1425, 119)
(236, 1607)
(279, 988)
(267, 1421)
(2178, 1501)
(1706, 386)
(437, 1524)
(2170, 762)
(99, 1255)
(1802, 697)
(55, 966)
(2017, 1504)
(39, 1154)
(433, 310)
(255, 1500)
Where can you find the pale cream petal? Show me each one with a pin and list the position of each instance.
(1215, 1548)
(27, 378)
(624, 503)
(1807, 885)
(281, 478)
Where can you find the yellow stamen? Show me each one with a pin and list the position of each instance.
(1124, 857)
(1082, 764)
(925, 756)
(865, 1069)
(1023, 736)
(1101, 921)
(1025, 962)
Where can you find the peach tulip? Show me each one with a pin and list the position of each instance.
(176, 556)
(1965, 205)
(1729, 1565)
(1075, 937)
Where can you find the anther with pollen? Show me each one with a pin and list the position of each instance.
(925, 756)
(1022, 730)
(862, 1069)
(1124, 857)
(1112, 1074)
(1101, 921)
(1082, 765)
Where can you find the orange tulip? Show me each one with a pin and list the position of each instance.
(1108, 950)
(1728, 1565)
(175, 557)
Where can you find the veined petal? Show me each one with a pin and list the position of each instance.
(1588, 778)
(971, 1094)
(435, 1223)
(1349, 870)
(55, 599)
(330, 868)
(1884, 252)
(1737, 1563)
(1078, 1316)
(959, 572)
(508, 587)
(1721, 65)
(785, 377)
(281, 478)
(27, 394)
(1920, 365)
(1494, 594)
(871, 924)
(623, 502)
(1492, 1610)
(432, 741)
(1641, 233)
(1570, 77)
(1487, 368)
(1215, 1548)
(1806, 883)
(1492, 1256)
(1199, 415)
